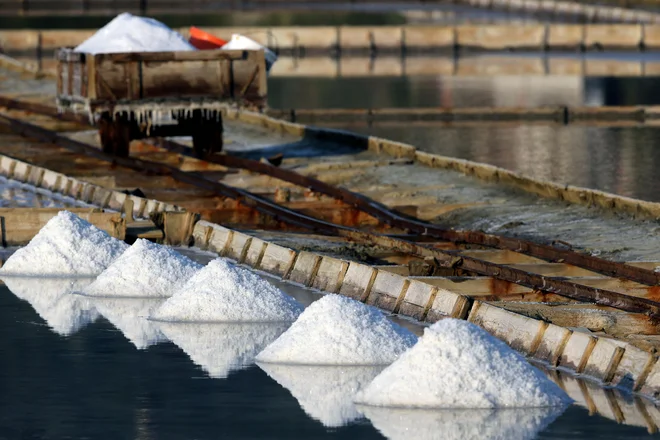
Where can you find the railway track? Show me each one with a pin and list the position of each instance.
(436, 251)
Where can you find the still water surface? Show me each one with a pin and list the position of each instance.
(622, 160)
(99, 370)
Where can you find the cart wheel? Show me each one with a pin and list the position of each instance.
(115, 135)
(207, 139)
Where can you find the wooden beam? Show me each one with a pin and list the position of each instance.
(19, 225)
(595, 318)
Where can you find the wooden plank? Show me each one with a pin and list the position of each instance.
(20, 225)
(483, 286)
(501, 256)
(595, 318)
(201, 55)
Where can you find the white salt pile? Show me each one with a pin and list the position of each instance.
(222, 292)
(129, 316)
(146, 269)
(336, 330)
(52, 299)
(458, 365)
(66, 246)
(128, 33)
(461, 424)
(324, 393)
(220, 349)
(241, 42)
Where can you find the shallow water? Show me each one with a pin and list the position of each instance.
(621, 160)
(116, 375)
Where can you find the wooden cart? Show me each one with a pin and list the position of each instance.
(137, 95)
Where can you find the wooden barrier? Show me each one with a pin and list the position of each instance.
(19, 225)
(394, 40)
(580, 10)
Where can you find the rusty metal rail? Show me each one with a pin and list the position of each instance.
(450, 259)
(386, 215)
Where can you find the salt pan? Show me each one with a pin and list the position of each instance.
(222, 348)
(222, 292)
(51, 298)
(66, 246)
(324, 393)
(336, 330)
(129, 316)
(128, 33)
(461, 424)
(146, 269)
(459, 365)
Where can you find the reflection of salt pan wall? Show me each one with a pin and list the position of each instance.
(130, 315)
(324, 393)
(510, 91)
(222, 348)
(467, 424)
(609, 403)
(64, 312)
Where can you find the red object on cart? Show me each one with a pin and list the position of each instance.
(203, 40)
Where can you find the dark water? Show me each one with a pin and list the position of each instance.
(614, 159)
(87, 379)
(461, 91)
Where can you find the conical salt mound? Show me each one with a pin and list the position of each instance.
(66, 246)
(336, 330)
(146, 269)
(130, 33)
(458, 365)
(222, 292)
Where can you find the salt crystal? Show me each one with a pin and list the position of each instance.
(146, 269)
(459, 365)
(64, 312)
(324, 393)
(336, 330)
(222, 348)
(129, 316)
(129, 33)
(222, 292)
(66, 246)
(461, 424)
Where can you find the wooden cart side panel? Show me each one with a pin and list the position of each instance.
(110, 78)
(189, 78)
(71, 74)
(227, 76)
(201, 55)
(91, 89)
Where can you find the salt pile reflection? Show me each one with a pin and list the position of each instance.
(64, 312)
(222, 348)
(461, 424)
(129, 316)
(324, 393)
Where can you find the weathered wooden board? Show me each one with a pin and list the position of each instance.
(127, 77)
(19, 225)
